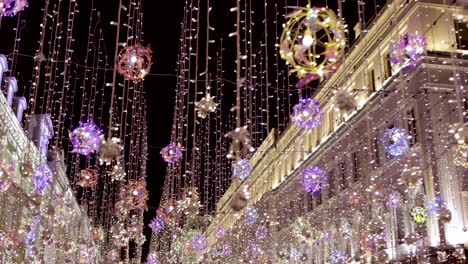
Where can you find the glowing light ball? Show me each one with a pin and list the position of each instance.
(241, 169)
(109, 150)
(88, 178)
(261, 232)
(152, 259)
(220, 232)
(12, 7)
(225, 249)
(312, 42)
(138, 194)
(307, 114)
(118, 173)
(393, 201)
(205, 106)
(135, 62)
(444, 215)
(395, 141)
(419, 215)
(172, 153)
(460, 155)
(338, 257)
(313, 180)
(407, 51)
(42, 177)
(251, 215)
(199, 243)
(157, 225)
(435, 204)
(85, 138)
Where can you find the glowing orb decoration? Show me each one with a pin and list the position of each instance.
(88, 178)
(199, 243)
(241, 169)
(240, 145)
(135, 62)
(393, 201)
(338, 257)
(172, 153)
(224, 249)
(312, 42)
(444, 215)
(460, 155)
(307, 114)
(12, 7)
(345, 102)
(261, 232)
(313, 180)
(109, 150)
(42, 177)
(26, 169)
(157, 225)
(85, 138)
(395, 141)
(435, 204)
(138, 194)
(220, 232)
(205, 106)
(419, 215)
(407, 51)
(152, 259)
(250, 215)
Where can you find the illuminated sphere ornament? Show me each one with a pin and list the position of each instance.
(172, 153)
(307, 114)
(152, 259)
(85, 138)
(261, 232)
(460, 155)
(42, 177)
(109, 150)
(395, 141)
(407, 51)
(240, 145)
(419, 215)
(205, 106)
(251, 215)
(12, 7)
(338, 257)
(157, 225)
(220, 232)
(135, 62)
(88, 178)
(312, 42)
(445, 216)
(199, 243)
(313, 180)
(393, 201)
(241, 169)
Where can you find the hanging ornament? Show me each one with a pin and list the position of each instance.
(205, 106)
(241, 169)
(172, 153)
(444, 215)
(395, 141)
(167, 210)
(135, 62)
(199, 243)
(109, 150)
(88, 178)
(223, 250)
(345, 101)
(85, 138)
(42, 177)
(307, 114)
(220, 232)
(135, 228)
(123, 207)
(138, 194)
(250, 215)
(419, 215)
(460, 132)
(119, 234)
(435, 205)
(393, 201)
(407, 51)
(411, 177)
(313, 180)
(261, 232)
(26, 169)
(152, 259)
(312, 42)
(190, 202)
(158, 224)
(11, 8)
(240, 145)
(354, 198)
(239, 201)
(118, 173)
(338, 257)
(460, 155)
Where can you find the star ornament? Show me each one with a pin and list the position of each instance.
(205, 106)
(240, 145)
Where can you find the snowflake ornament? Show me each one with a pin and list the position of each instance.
(205, 106)
(240, 145)
(109, 150)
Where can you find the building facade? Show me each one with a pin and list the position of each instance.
(337, 225)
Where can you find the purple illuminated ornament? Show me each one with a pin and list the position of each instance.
(338, 257)
(306, 114)
(395, 141)
(408, 50)
(12, 7)
(157, 225)
(435, 205)
(220, 232)
(313, 179)
(393, 201)
(199, 243)
(251, 215)
(261, 232)
(172, 153)
(152, 259)
(42, 177)
(225, 249)
(241, 169)
(85, 138)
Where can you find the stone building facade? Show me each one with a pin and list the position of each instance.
(424, 102)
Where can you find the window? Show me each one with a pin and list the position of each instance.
(331, 122)
(355, 162)
(462, 34)
(371, 80)
(412, 127)
(318, 136)
(310, 203)
(400, 221)
(387, 66)
(331, 185)
(342, 184)
(375, 152)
